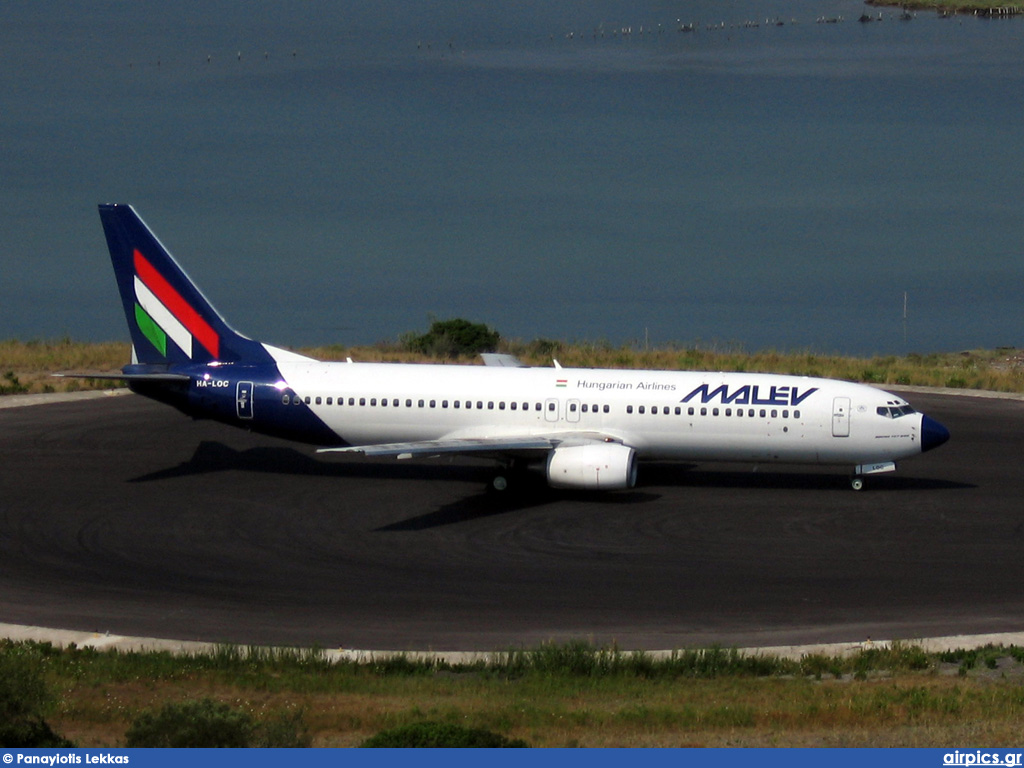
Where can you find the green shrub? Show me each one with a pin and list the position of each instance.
(444, 735)
(12, 385)
(23, 698)
(31, 733)
(452, 338)
(285, 731)
(207, 723)
(204, 723)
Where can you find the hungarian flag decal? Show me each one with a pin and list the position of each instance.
(161, 313)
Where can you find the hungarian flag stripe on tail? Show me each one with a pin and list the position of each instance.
(169, 310)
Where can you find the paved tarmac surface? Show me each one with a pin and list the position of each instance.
(121, 515)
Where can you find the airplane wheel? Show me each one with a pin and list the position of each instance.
(857, 483)
(499, 483)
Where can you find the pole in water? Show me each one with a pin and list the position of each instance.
(904, 318)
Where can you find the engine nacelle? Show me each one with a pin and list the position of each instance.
(594, 466)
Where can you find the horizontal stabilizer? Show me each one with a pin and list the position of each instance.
(126, 376)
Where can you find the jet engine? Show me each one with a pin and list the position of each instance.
(592, 467)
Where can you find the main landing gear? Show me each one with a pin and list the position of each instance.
(510, 477)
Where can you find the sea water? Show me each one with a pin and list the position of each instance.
(577, 171)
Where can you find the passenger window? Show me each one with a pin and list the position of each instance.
(750, 413)
(514, 405)
(796, 414)
(763, 413)
(679, 411)
(703, 411)
(665, 410)
(444, 403)
(307, 399)
(572, 407)
(785, 414)
(728, 411)
(351, 401)
(479, 404)
(384, 402)
(490, 405)
(584, 408)
(408, 403)
(641, 409)
(526, 406)
(551, 406)
(421, 403)
(629, 409)
(362, 401)
(775, 414)
(373, 401)
(690, 411)
(433, 403)
(330, 401)
(395, 402)
(457, 403)
(606, 409)
(285, 399)
(714, 412)
(536, 407)
(501, 406)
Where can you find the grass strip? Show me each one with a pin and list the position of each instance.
(563, 695)
(27, 366)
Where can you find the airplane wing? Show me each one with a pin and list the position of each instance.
(502, 446)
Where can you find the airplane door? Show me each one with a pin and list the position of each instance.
(551, 409)
(243, 399)
(572, 410)
(841, 417)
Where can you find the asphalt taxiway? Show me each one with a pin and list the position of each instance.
(121, 515)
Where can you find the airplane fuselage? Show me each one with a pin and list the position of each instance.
(678, 415)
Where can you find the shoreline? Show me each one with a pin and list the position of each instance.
(959, 7)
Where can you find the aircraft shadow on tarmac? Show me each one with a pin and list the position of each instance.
(535, 495)
(213, 456)
(690, 476)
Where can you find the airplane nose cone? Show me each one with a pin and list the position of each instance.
(933, 434)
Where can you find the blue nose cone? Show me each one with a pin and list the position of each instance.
(933, 434)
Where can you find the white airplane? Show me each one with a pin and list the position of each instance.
(584, 428)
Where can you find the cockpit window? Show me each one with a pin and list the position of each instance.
(894, 411)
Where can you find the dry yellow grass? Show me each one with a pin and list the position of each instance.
(27, 366)
(907, 710)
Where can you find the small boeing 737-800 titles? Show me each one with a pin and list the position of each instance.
(583, 428)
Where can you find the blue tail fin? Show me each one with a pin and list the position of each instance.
(170, 320)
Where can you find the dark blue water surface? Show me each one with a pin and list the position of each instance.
(338, 174)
